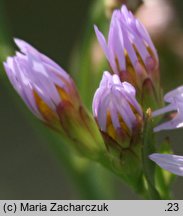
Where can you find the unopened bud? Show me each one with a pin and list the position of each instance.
(50, 93)
(130, 50)
(116, 110)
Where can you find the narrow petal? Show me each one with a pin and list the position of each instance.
(171, 163)
(170, 125)
(25, 47)
(102, 42)
(118, 46)
(175, 98)
(163, 110)
(102, 113)
(129, 48)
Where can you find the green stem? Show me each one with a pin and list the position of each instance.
(86, 174)
(147, 149)
(139, 186)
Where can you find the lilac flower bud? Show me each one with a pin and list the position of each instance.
(40, 82)
(175, 98)
(50, 93)
(116, 110)
(129, 49)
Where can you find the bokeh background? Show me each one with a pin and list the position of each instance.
(29, 165)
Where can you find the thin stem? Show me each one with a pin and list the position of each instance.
(148, 166)
(138, 186)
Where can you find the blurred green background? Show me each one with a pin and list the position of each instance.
(28, 166)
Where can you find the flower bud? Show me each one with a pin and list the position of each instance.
(40, 82)
(129, 50)
(116, 110)
(50, 93)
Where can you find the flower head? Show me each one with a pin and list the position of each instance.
(50, 93)
(116, 109)
(175, 98)
(129, 50)
(41, 83)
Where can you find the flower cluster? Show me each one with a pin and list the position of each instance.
(51, 94)
(134, 64)
(118, 107)
(133, 57)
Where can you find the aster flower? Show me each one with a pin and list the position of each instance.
(41, 83)
(175, 100)
(171, 163)
(51, 95)
(129, 49)
(116, 110)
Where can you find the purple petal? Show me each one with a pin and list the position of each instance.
(174, 95)
(102, 42)
(171, 163)
(175, 98)
(145, 35)
(25, 47)
(115, 98)
(164, 110)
